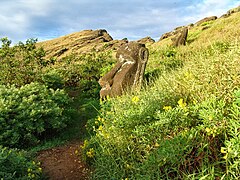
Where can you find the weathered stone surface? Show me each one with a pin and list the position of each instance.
(176, 31)
(146, 40)
(115, 44)
(166, 35)
(80, 42)
(128, 72)
(181, 37)
(230, 12)
(234, 10)
(206, 19)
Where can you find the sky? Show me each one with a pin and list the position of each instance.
(132, 19)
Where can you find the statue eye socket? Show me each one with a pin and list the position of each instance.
(143, 54)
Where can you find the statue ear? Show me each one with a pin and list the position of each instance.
(143, 54)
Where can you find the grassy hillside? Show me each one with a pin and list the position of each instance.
(185, 123)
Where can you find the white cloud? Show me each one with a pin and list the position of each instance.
(206, 8)
(133, 19)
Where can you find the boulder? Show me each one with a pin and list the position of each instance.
(146, 40)
(128, 72)
(166, 35)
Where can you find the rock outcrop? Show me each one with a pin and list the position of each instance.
(128, 72)
(206, 19)
(176, 31)
(146, 40)
(230, 12)
(80, 42)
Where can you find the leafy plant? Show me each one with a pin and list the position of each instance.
(30, 112)
(18, 164)
(22, 63)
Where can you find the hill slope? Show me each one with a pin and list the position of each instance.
(185, 123)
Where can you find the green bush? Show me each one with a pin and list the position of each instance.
(29, 112)
(17, 164)
(22, 63)
(53, 79)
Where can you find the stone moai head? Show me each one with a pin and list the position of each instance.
(181, 37)
(128, 72)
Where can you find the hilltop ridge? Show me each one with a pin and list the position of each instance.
(100, 40)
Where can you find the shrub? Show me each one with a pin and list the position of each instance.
(17, 164)
(53, 79)
(29, 112)
(22, 63)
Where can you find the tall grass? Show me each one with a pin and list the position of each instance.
(184, 125)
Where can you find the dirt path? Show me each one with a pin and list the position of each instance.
(61, 163)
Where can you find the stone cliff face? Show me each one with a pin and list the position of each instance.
(84, 42)
(80, 42)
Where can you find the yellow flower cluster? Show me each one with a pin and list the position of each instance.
(103, 132)
(85, 144)
(33, 173)
(212, 131)
(225, 151)
(100, 119)
(167, 108)
(135, 99)
(181, 103)
(90, 153)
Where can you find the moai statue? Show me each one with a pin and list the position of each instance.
(181, 37)
(128, 72)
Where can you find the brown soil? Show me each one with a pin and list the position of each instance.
(62, 163)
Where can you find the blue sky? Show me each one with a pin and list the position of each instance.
(132, 19)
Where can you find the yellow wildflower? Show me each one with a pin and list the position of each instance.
(181, 103)
(40, 169)
(85, 144)
(156, 144)
(223, 150)
(135, 99)
(100, 128)
(225, 157)
(208, 130)
(90, 153)
(167, 108)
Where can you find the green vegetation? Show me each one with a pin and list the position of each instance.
(185, 125)
(16, 164)
(43, 102)
(29, 112)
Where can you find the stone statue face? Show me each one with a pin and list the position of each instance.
(128, 72)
